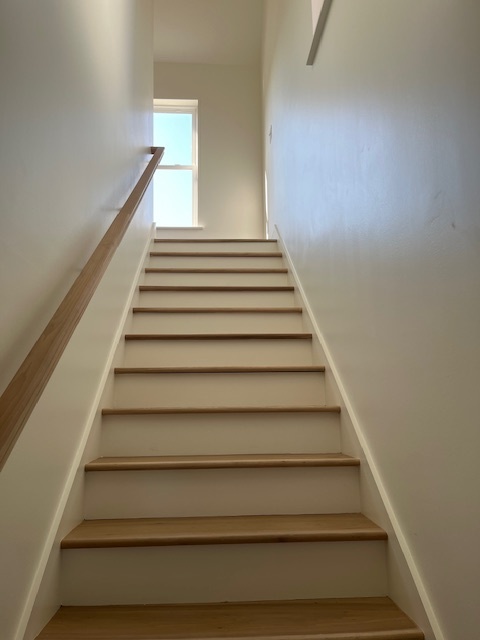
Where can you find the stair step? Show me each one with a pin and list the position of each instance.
(213, 245)
(224, 572)
(223, 370)
(197, 410)
(232, 461)
(186, 486)
(199, 288)
(219, 336)
(152, 296)
(216, 254)
(148, 532)
(209, 387)
(229, 310)
(212, 320)
(215, 240)
(207, 260)
(191, 348)
(220, 433)
(329, 619)
(213, 270)
(217, 277)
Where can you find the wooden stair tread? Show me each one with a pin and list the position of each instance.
(218, 336)
(147, 532)
(214, 240)
(215, 254)
(198, 288)
(330, 619)
(132, 411)
(224, 461)
(244, 270)
(206, 370)
(217, 310)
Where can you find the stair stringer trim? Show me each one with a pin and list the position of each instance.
(36, 611)
(413, 597)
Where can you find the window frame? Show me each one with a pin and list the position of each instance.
(188, 107)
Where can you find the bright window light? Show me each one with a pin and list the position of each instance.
(175, 183)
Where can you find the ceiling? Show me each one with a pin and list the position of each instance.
(208, 31)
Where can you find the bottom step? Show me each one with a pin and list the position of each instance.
(332, 619)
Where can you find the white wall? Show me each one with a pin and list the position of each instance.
(373, 181)
(77, 91)
(230, 190)
(75, 117)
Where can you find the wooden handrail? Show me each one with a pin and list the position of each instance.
(26, 387)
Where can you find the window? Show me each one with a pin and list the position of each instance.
(175, 182)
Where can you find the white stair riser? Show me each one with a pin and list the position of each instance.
(216, 279)
(182, 233)
(215, 492)
(215, 573)
(217, 323)
(232, 247)
(216, 299)
(158, 353)
(219, 389)
(220, 433)
(214, 262)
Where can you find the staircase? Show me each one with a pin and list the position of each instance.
(222, 500)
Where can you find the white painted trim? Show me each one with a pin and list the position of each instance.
(176, 167)
(196, 228)
(50, 540)
(422, 592)
(178, 104)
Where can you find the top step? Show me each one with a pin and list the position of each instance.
(215, 245)
(216, 240)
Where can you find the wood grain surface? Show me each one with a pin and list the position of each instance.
(217, 310)
(216, 254)
(199, 288)
(154, 532)
(213, 240)
(238, 270)
(135, 411)
(218, 336)
(224, 461)
(330, 619)
(206, 370)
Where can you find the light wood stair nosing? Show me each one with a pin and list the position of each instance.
(214, 370)
(218, 336)
(259, 310)
(215, 288)
(214, 240)
(148, 532)
(215, 254)
(212, 270)
(327, 619)
(225, 461)
(133, 411)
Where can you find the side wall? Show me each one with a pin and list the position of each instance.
(373, 182)
(75, 123)
(230, 189)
